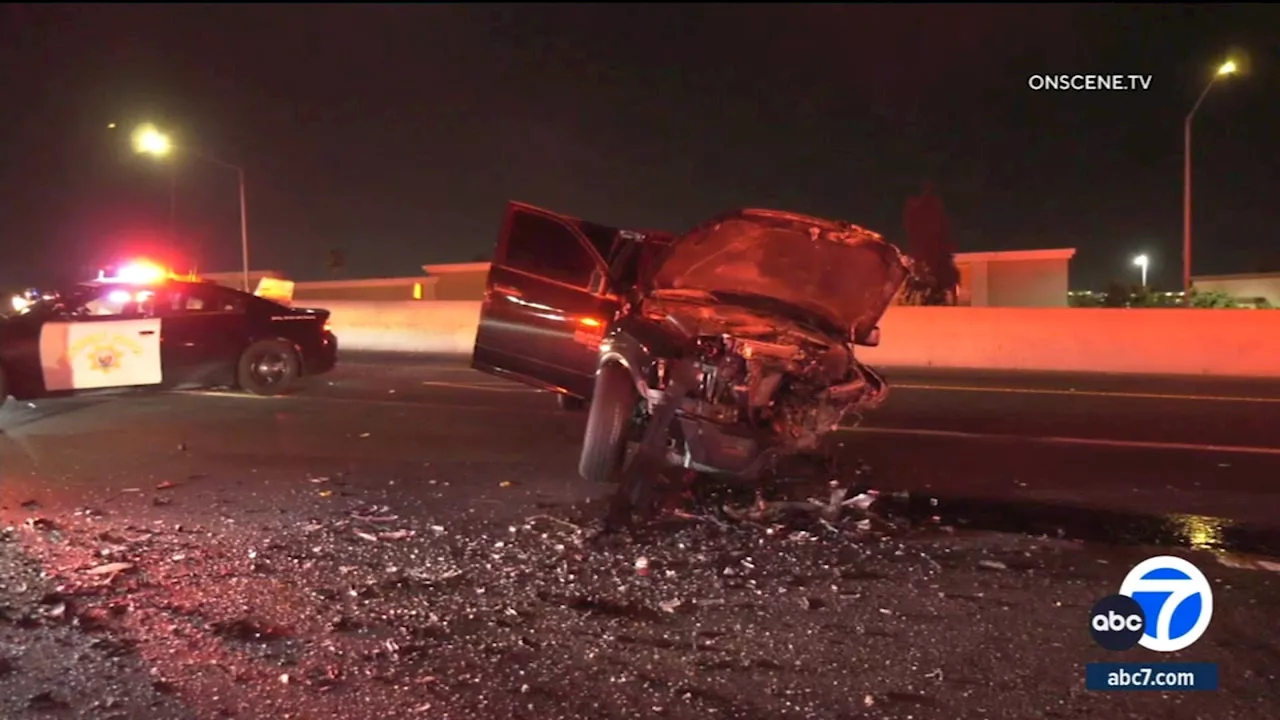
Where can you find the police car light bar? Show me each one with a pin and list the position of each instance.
(137, 273)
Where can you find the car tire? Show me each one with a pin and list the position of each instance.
(609, 421)
(637, 491)
(570, 403)
(268, 367)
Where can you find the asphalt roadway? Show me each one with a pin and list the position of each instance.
(408, 538)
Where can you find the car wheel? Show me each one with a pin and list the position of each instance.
(637, 491)
(268, 367)
(613, 407)
(570, 403)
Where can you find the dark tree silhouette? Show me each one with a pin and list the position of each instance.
(1117, 295)
(934, 278)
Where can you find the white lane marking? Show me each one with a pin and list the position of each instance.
(1082, 393)
(491, 387)
(1099, 442)
(228, 394)
(552, 410)
(921, 386)
(411, 367)
(377, 402)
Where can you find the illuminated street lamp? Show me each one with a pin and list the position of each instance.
(149, 140)
(1142, 261)
(1227, 68)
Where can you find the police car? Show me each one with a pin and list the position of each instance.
(145, 328)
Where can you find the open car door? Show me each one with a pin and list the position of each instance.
(548, 301)
(109, 338)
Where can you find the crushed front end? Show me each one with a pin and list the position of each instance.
(756, 401)
(750, 387)
(766, 309)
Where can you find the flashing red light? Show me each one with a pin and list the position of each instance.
(142, 272)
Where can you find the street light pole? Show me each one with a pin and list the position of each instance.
(173, 205)
(1186, 198)
(1226, 68)
(244, 216)
(244, 231)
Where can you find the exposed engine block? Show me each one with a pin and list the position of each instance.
(797, 392)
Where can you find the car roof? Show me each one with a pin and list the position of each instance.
(167, 282)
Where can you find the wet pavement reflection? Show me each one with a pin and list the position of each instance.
(1091, 524)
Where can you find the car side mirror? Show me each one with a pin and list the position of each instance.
(871, 339)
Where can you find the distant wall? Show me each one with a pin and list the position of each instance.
(460, 286)
(1022, 278)
(405, 326)
(1016, 278)
(235, 279)
(1030, 283)
(1243, 287)
(372, 289)
(1224, 343)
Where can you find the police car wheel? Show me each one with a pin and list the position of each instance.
(268, 367)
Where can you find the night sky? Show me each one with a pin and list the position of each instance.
(396, 133)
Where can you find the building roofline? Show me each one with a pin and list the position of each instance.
(366, 282)
(455, 268)
(991, 256)
(1017, 255)
(1238, 276)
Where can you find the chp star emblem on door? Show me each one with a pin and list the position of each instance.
(104, 353)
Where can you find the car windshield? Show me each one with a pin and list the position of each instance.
(845, 274)
(49, 304)
(89, 300)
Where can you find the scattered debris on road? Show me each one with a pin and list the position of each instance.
(110, 568)
(728, 603)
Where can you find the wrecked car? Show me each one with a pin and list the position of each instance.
(721, 350)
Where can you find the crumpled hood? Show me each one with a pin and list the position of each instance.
(842, 272)
(695, 316)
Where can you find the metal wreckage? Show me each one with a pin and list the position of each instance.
(723, 351)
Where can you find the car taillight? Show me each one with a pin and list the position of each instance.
(327, 327)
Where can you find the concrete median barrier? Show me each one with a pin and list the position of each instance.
(1168, 341)
(439, 327)
(1219, 343)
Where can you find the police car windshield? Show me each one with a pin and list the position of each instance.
(81, 300)
(43, 306)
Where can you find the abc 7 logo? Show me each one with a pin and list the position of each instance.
(1117, 622)
(1165, 604)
